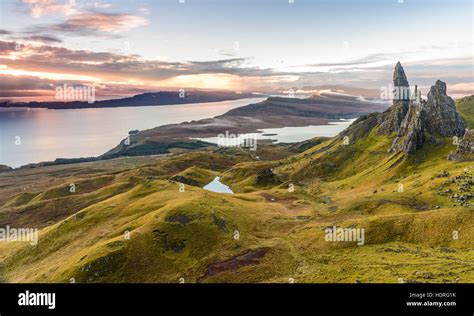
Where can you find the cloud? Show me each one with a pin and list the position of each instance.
(15, 87)
(144, 10)
(461, 89)
(78, 21)
(234, 66)
(464, 86)
(111, 66)
(133, 73)
(39, 8)
(355, 62)
(9, 82)
(60, 59)
(99, 5)
(40, 39)
(86, 22)
(7, 47)
(111, 70)
(424, 54)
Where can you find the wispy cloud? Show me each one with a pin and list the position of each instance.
(95, 23)
(39, 8)
(99, 5)
(60, 59)
(53, 63)
(45, 39)
(41, 65)
(78, 20)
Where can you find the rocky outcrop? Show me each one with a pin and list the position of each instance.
(415, 121)
(465, 150)
(393, 117)
(427, 120)
(184, 180)
(411, 134)
(440, 113)
(4, 168)
(360, 128)
(267, 177)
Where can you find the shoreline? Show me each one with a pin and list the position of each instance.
(269, 113)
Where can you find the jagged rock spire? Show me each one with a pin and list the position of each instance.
(393, 116)
(438, 89)
(399, 77)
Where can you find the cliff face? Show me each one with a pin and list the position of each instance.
(411, 134)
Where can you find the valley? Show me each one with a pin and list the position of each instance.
(148, 219)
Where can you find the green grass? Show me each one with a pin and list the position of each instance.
(465, 106)
(173, 234)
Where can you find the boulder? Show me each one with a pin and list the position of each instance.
(465, 150)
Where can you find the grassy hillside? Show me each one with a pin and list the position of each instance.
(129, 219)
(465, 107)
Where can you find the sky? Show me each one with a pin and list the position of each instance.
(126, 47)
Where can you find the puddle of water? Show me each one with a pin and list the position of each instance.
(217, 186)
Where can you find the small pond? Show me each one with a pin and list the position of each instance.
(217, 186)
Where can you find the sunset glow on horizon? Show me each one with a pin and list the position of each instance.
(126, 47)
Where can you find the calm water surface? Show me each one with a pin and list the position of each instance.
(286, 134)
(217, 186)
(35, 135)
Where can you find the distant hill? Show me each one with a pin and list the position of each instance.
(5, 168)
(329, 106)
(144, 99)
(271, 113)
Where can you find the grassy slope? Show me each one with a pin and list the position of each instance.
(465, 107)
(173, 234)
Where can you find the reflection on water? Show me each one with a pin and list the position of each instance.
(217, 186)
(35, 135)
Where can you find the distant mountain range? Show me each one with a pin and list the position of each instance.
(144, 99)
